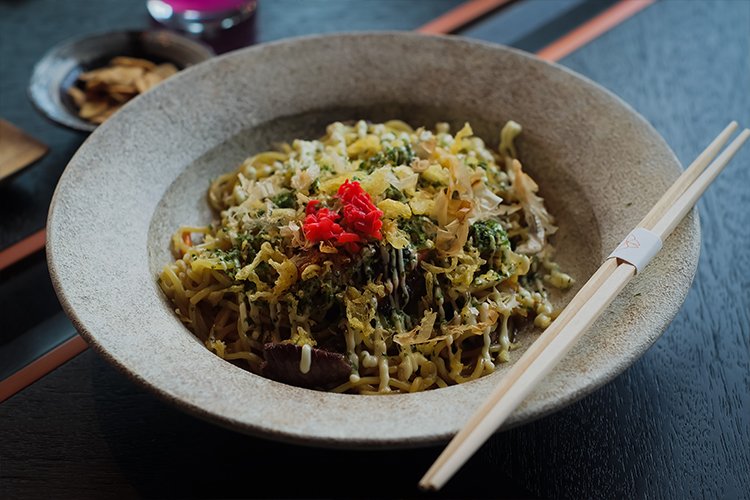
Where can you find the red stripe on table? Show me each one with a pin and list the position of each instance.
(593, 28)
(41, 366)
(22, 249)
(460, 16)
(447, 23)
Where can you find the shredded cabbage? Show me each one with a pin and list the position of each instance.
(424, 280)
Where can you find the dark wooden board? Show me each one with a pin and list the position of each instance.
(92, 430)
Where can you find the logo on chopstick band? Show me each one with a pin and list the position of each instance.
(638, 248)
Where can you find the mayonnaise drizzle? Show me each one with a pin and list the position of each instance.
(305, 360)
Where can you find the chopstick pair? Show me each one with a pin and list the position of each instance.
(587, 305)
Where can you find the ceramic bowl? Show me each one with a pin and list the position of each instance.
(61, 65)
(600, 167)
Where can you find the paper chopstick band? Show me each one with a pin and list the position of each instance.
(638, 248)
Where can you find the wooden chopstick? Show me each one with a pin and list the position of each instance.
(608, 267)
(688, 177)
(577, 317)
(666, 224)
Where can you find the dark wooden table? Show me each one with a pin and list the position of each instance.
(676, 424)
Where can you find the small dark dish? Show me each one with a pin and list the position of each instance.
(59, 68)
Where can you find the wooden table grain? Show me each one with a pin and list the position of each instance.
(676, 424)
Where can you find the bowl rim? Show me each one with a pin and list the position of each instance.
(45, 103)
(295, 436)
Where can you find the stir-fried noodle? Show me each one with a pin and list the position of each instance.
(377, 259)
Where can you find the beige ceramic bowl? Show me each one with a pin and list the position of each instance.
(144, 172)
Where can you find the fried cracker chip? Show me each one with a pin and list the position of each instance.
(118, 75)
(165, 70)
(133, 62)
(104, 90)
(92, 108)
(78, 96)
(100, 118)
(120, 88)
(147, 81)
(121, 98)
